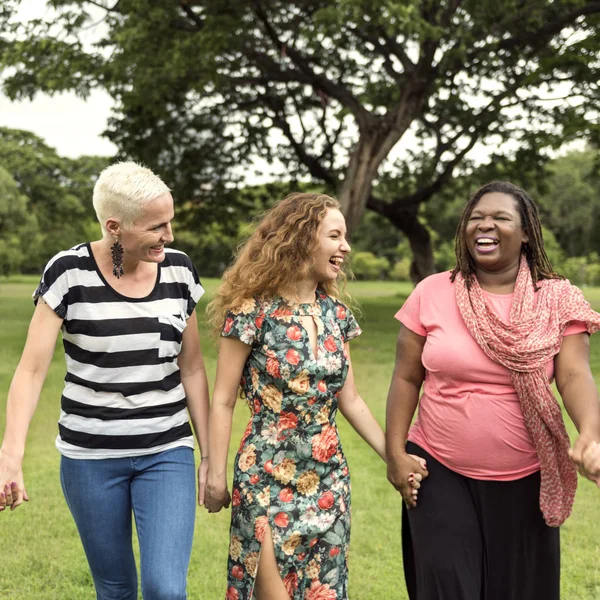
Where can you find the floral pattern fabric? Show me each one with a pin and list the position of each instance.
(290, 471)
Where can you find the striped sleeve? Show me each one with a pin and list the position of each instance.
(196, 291)
(54, 286)
(179, 268)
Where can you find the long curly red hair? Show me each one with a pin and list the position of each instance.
(278, 254)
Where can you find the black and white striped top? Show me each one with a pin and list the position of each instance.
(123, 394)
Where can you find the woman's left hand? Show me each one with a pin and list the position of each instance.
(585, 454)
(591, 462)
(202, 475)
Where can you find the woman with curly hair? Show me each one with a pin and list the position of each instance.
(284, 338)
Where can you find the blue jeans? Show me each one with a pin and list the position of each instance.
(160, 489)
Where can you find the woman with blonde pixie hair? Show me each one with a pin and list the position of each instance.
(125, 307)
(285, 340)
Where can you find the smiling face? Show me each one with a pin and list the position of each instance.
(145, 240)
(494, 232)
(332, 246)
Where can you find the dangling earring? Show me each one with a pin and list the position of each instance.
(116, 251)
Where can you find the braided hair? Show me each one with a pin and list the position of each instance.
(537, 259)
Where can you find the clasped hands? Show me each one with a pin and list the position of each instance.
(405, 473)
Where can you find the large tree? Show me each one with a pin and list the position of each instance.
(330, 88)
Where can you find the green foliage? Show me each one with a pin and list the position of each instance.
(328, 89)
(570, 203)
(401, 270)
(17, 225)
(365, 265)
(58, 192)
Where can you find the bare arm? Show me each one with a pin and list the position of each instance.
(195, 384)
(577, 388)
(232, 358)
(402, 401)
(23, 397)
(358, 414)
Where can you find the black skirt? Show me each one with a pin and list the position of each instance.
(469, 539)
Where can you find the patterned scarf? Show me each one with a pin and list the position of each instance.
(525, 345)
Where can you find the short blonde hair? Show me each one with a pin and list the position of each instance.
(121, 191)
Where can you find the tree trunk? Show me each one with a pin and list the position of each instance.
(358, 179)
(407, 221)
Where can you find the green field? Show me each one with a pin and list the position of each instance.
(41, 556)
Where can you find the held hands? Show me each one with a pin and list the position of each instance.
(12, 487)
(216, 495)
(405, 473)
(202, 475)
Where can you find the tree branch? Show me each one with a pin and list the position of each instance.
(339, 92)
(315, 168)
(106, 8)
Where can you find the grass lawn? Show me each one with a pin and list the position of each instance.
(42, 558)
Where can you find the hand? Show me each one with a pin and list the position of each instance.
(216, 496)
(202, 475)
(12, 486)
(578, 449)
(591, 462)
(405, 473)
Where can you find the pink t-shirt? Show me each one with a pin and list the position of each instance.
(469, 416)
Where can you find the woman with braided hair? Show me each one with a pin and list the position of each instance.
(486, 340)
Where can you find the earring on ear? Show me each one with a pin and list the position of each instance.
(116, 252)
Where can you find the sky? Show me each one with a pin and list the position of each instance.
(67, 123)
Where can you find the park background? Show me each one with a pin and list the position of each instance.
(400, 108)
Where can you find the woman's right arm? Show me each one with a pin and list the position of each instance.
(22, 400)
(230, 365)
(402, 401)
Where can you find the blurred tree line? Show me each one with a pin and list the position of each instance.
(46, 206)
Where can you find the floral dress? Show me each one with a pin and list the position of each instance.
(290, 471)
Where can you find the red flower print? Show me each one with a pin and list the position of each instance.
(286, 495)
(345, 471)
(324, 445)
(319, 591)
(260, 526)
(256, 406)
(294, 333)
(326, 500)
(236, 498)
(313, 542)
(322, 387)
(330, 344)
(232, 594)
(273, 365)
(287, 420)
(334, 552)
(281, 519)
(302, 556)
(291, 583)
(254, 479)
(312, 400)
(340, 313)
(237, 572)
(281, 312)
(259, 321)
(245, 436)
(269, 466)
(228, 325)
(292, 356)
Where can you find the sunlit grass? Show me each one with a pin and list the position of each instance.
(42, 558)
